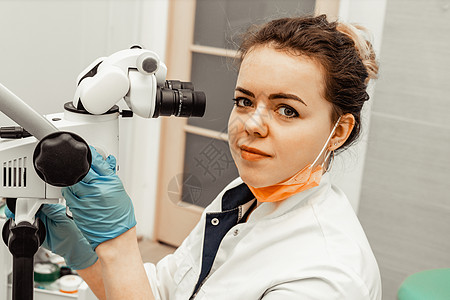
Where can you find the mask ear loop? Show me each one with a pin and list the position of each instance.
(330, 163)
(325, 146)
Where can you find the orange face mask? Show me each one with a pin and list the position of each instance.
(306, 178)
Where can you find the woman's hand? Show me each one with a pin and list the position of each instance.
(124, 276)
(104, 213)
(100, 206)
(63, 237)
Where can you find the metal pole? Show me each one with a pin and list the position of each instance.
(21, 113)
(5, 267)
(23, 278)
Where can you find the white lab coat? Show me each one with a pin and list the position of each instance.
(309, 246)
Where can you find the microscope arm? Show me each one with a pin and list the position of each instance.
(73, 152)
(24, 115)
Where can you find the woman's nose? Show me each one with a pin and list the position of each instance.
(257, 122)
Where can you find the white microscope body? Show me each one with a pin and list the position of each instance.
(34, 168)
(133, 74)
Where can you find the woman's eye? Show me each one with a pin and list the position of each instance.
(287, 111)
(242, 102)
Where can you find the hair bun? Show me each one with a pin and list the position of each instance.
(363, 46)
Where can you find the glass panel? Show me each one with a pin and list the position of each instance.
(216, 76)
(208, 168)
(218, 23)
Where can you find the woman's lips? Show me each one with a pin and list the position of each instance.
(252, 154)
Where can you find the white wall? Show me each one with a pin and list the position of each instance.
(141, 173)
(44, 46)
(348, 167)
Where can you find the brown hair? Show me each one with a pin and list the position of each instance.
(347, 58)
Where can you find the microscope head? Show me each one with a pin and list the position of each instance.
(139, 77)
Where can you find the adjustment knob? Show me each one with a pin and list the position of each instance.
(23, 239)
(62, 158)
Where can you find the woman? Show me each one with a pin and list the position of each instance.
(298, 98)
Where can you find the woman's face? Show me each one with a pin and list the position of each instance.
(280, 121)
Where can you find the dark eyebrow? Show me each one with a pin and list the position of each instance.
(244, 91)
(286, 96)
(272, 96)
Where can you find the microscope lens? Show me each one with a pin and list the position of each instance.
(179, 99)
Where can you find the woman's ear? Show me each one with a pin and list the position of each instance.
(342, 132)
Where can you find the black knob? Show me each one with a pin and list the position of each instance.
(62, 158)
(23, 239)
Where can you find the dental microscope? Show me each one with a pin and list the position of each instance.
(45, 153)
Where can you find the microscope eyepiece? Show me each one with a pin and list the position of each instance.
(179, 99)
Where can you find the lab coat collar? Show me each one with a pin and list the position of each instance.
(237, 194)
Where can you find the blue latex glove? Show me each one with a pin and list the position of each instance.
(63, 237)
(99, 204)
